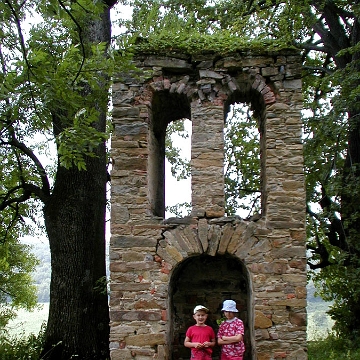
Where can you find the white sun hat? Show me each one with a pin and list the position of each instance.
(199, 308)
(229, 305)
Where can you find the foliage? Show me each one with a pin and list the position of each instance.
(21, 347)
(16, 284)
(340, 284)
(37, 73)
(42, 273)
(180, 168)
(16, 264)
(181, 209)
(333, 347)
(332, 161)
(55, 77)
(242, 162)
(197, 27)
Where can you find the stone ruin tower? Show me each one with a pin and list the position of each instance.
(161, 268)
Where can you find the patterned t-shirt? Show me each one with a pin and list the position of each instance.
(231, 328)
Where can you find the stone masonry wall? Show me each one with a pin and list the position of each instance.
(152, 259)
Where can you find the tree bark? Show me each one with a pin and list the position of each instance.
(78, 323)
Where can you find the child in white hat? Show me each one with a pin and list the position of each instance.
(200, 337)
(231, 333)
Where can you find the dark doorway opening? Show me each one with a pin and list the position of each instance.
(207, 280)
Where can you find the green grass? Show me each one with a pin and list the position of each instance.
(29, 322)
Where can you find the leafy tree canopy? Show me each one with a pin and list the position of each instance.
(194, 27)
(51, 76)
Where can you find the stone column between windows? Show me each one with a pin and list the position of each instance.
(207, 160)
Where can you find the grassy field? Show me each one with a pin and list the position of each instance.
(29, 322)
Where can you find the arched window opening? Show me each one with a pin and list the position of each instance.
(166, 108)
(177, 168)
(242, 165)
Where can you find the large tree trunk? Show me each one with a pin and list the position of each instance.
(78, 323)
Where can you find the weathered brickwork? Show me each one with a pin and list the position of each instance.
(160, 269)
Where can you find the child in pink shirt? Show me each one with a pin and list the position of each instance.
(231, 333)
(200, 337)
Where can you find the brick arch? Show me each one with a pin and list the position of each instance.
(236, 237)
(226, 86)
(177, 86)
(248, 83)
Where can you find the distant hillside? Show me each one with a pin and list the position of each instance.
(43, 271)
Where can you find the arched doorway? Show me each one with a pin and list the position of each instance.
(207, 280)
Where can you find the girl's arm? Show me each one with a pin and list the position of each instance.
(223, 340)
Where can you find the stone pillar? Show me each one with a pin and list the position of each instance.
(284, 185)
(207, 160)
(129, 193)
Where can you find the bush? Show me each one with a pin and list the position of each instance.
(333, 348)
(21, 347)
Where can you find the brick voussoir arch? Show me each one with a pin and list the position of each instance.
(235, 238)
(191, 88)
(249, 82)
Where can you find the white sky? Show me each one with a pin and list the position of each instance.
(178, 191)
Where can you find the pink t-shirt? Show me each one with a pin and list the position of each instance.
(200, 334)
(231, 328)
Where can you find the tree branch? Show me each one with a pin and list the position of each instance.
(80, 40)
(44, 191)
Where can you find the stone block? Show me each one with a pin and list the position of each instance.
(269, 71)
(119, 241)
(227, 233)
(130, 129)
(125, 112)
(121, 354)
(167, 63)
(146, 340)
(203, 233)
(134, 315)
(262, 321)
